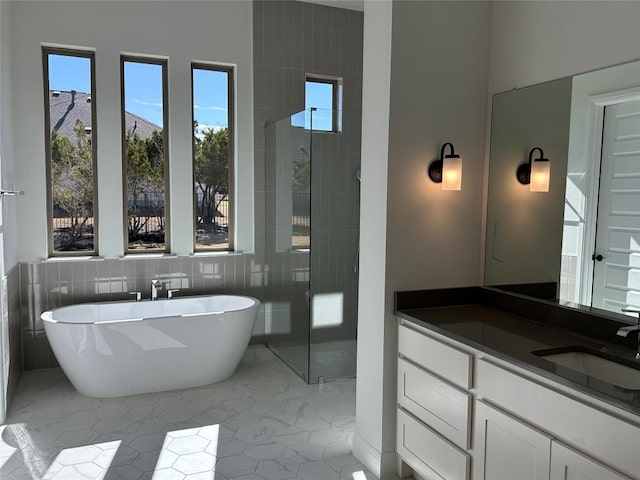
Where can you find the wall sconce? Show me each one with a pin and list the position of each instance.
(535, 173)
(447, 170)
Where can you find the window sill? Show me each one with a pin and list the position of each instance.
(225, 253)
(74, 258)
(129, 256)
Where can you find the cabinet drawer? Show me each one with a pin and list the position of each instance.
(428, 453)
(443, 407)
(575, 423)
(444, 360)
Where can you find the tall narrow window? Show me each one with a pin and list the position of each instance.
(145, 154)
(213, 156)
(322, 103)
(70, 141)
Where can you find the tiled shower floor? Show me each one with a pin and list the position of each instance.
(262, 423)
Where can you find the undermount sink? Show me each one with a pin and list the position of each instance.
(594, 364)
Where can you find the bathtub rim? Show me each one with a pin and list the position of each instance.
(46, 316)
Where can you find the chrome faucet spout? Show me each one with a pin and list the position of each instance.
(155, 287)
(624, 331)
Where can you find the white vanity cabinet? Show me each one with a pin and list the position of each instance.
(600, 436)
(466, 414)
(507, 448)
(434, 405)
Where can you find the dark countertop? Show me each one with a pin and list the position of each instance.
(513, 338)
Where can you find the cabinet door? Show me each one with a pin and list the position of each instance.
(567, 464)
(507, 449)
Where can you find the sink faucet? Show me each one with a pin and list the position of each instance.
(155, 286)
(625, 331)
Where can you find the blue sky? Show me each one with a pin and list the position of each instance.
(143, 91)
(210, 98)
(319, 95)
(143, 88)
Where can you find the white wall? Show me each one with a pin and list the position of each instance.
(8, 205)
(371, 380)
(532, 42)
(437, 94)
(181, 31)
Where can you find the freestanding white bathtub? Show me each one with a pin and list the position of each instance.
(126, 348)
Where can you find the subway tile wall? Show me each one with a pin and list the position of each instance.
(49, 284)
(335, 224)
(11, 311)
(293, 39)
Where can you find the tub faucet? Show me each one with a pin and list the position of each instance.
(155, 286)
(624, 331)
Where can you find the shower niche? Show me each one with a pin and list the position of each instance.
(312, 208)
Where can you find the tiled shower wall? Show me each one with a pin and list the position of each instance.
(49, 284)
(335, 224)
(11, 310)
(293, 39)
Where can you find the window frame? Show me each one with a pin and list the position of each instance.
(164, 63)
(83, 53)
(230, 71)
(336, 83)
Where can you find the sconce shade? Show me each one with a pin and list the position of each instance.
(447, 170)
(540, 170)
(452, 172)
(535, 173)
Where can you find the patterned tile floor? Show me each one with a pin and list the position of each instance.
(329, 359)
(263, 423)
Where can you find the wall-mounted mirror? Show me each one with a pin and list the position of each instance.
(578, 242)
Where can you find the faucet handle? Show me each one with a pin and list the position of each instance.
(170, 292)
(137, 294)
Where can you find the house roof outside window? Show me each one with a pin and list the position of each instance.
(67, 106)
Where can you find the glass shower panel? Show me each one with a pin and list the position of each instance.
(335, 210)
(312, 192)
(288, 240)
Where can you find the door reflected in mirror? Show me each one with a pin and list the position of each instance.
(579, 242)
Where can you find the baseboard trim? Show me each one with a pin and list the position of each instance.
(383, 466)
